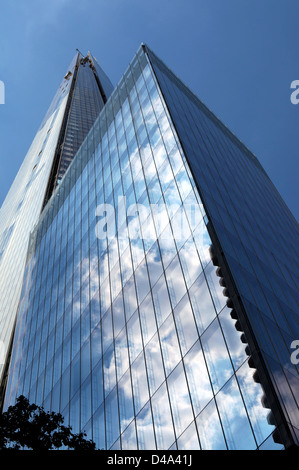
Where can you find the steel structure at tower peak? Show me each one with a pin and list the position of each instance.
(159, 298)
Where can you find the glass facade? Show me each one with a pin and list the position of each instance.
(74, 109)
(20, 212)
(122, 325)
(257, 234)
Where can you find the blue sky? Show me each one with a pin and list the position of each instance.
(238, 56)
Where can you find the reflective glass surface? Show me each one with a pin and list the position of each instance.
(122, 325)
(256, 232)
(21, 209)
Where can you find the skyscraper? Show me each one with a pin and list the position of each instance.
(159, 298)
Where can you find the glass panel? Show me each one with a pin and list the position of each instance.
(130, 298)
(134, 336)
(161, 300)
(189, 440)
(140, 388)
(97, 386)
(154, 263)
(128, 438)
(202, 304)
(118, 314)
(121, 353)
(169, 344)
(145, 431)
(126, 412)
(109, 370)
(162, 419)
(185, 324)
(175, 282)
(179, 399)
(210, 429)
(112, 418)
(99, 428)
(147, 319)
(216, 355)
(154, 364)
(190, 262)
(85, 403)
(235, 422)
(198, 378)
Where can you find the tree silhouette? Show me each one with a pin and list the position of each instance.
(28, 426)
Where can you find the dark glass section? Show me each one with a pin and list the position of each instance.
(253, 230)
(87, 98)
(86, 105)
(105, 84)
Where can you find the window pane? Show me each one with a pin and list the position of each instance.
(198, 378)
(233, 415)
(145, 430)
(179, 399)
(162, 419)
(216, 355)
(209, 429)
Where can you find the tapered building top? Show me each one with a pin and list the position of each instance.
(89, 89)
